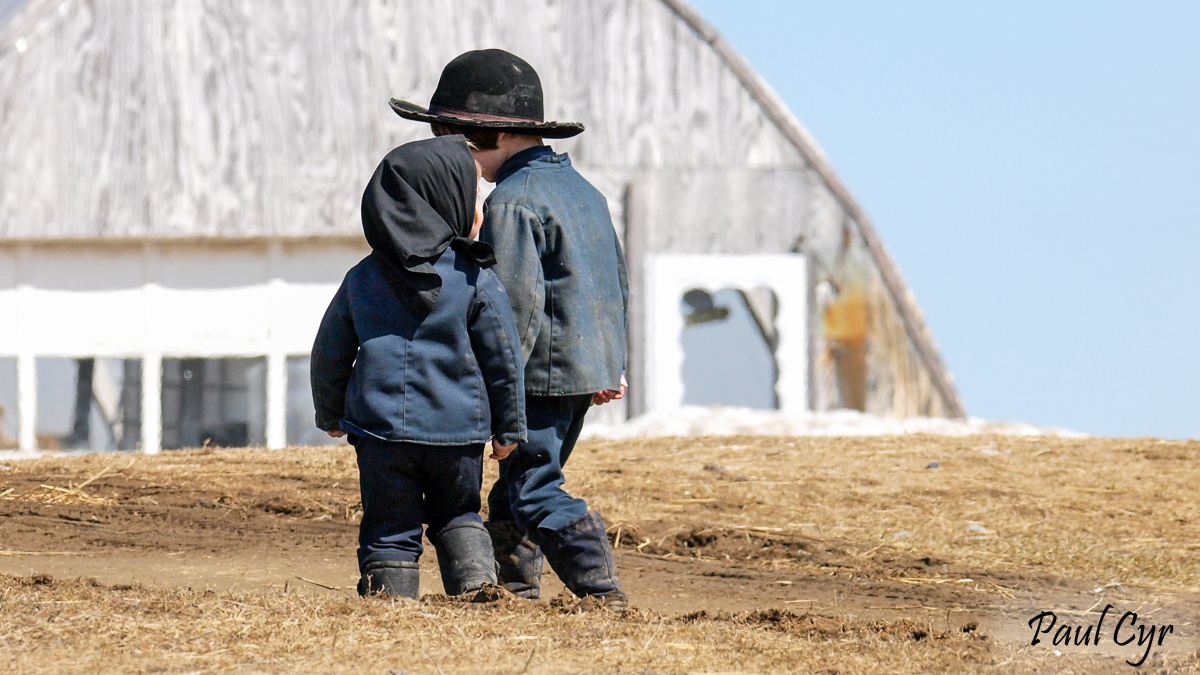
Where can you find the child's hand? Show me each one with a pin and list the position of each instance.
(334, 433)
(499, 452)
(602, 397)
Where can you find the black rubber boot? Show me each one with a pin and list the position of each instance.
(518, 560)
(392, 578)
(465, 557)
(582, 557)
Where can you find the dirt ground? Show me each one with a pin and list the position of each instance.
(750, 555)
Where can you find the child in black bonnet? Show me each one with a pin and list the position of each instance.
(418, 360)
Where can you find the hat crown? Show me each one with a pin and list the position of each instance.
(490, 82)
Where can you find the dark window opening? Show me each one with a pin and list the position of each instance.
(214, 402)
(92, 404)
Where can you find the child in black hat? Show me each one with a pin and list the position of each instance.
(418, 360)
(558, 256)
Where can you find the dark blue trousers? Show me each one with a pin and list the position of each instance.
(405, 485)
(530, 488)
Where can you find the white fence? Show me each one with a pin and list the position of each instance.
(166, 299)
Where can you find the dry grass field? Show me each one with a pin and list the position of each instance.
(740, 555)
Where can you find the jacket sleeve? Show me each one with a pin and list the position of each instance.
(496, 346)
(332, 361)
(518, 237)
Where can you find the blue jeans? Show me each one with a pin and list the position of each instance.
(530, 488)
(405, 485)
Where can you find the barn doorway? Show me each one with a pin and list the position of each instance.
(217, 402)
(726, 356)
(728, 347)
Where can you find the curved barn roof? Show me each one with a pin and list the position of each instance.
(795, 132)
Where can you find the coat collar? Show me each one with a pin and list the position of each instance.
(521, 160)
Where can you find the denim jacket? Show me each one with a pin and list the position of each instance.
(559, 258)
(454, 378)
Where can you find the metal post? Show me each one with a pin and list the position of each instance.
(27, 402)
(277, 400)
(152, 403)
(26, 361)
(277, 384)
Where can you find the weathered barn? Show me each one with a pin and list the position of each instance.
(179, 188)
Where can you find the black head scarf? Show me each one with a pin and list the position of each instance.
(421, 200)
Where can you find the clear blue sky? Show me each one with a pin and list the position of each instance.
(1034, 168)
(7, 7)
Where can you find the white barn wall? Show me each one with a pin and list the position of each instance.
(183, 299)
(163, 119)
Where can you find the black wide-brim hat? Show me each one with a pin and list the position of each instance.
(489, 89)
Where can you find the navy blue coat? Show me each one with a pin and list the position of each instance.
(453, 378)
(558, 255)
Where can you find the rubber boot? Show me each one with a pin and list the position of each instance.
(518, 560)
(580, 554)
(392, 578)
(464, 552)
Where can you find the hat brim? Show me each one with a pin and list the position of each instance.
(412, 111)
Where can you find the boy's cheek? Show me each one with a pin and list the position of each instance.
(477, 226)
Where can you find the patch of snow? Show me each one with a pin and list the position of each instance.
(6, 455)
(727, 421)
(20, 454)
(691, 421)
